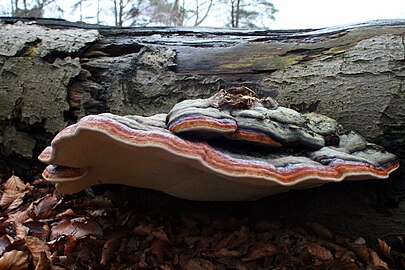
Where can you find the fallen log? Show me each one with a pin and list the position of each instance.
(53, 72)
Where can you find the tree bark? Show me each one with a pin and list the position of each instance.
(53, 72)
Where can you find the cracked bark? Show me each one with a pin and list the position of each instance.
(53, 72)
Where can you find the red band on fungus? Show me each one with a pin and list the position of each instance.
(112, 149)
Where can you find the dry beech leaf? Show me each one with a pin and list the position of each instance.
(165, 267)
(260, 251)
(360, 241)
(43, 208)
(376, 260)
(223, 252)
(21, 216)
(109, 248)
(70, 245)
(38, 229)
(14, 260)
(67, 213)
(385, 249)
(98, 213)
(201, 241)
(20, 231)
(37, 247)
(319, 252)
(143, 229)
(150, 231)
(199, 264)
(11, 200)
(160, 234)
(76, 227)
(15, 183)
(338, 265)
(362, 252)
(157, 248)
(65, 243)
(347, 256)
(320, 231)
(43, 262)
(238, 238)
(4, 243)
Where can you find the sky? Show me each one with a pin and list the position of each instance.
(295, 14)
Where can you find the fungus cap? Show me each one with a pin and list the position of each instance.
(142, 152)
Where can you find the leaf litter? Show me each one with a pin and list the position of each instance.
(104, 228)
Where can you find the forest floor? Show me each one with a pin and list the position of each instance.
(116, 227)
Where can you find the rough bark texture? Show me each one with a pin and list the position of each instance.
(53, 72)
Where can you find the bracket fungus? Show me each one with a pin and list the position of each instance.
(232, 146)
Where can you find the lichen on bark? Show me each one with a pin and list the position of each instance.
(358, 87)
(34, 92)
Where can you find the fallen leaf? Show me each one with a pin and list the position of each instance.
(11, 200)
(98, 213)
(260, 251)
(157, 248)
(235, 239)
(38, 229)
(338, 265)
(14, 260)
(37, 247)
(376, 260)
(109, 249)
(67, 213)
(223, 252)
(70, 245)
(43, 262)
(4, 243)
(21, 216)
(21, 231)
(150, 231)
(347, 256)
(65, 243)
(14, 183)
(320, 231)
(43, 208)
(362, 252)
(144, 229)
(199, 264)
(76, 227)
(360, 241)
(319, 252)
(160, 234)
(385, 249)
(19, 244)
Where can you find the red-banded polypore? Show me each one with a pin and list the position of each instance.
(232, 146)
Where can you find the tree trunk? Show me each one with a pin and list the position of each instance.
(52, 72)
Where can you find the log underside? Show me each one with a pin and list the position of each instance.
(53, 72)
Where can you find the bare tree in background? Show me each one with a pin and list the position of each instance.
(161, 12)
(148, 12)
(249, 13)
(98, 12)
(242, 13)
(180, 13)
(29, 8)
(198, 12)
(119, 6)
(79, 6)
(132, 12)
